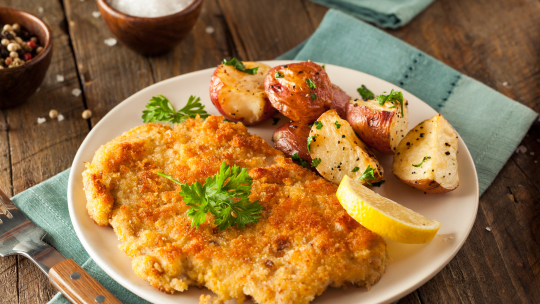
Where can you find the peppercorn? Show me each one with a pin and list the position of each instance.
(14, 55)
(12, 47)
(5, 42)
(31, 44)
(4, 52)
(21, 53)
(53, 114)
(8, 61)
(34, 39)
(19, 40)
(7, 27)
(39, 49)
(7, 35)
(27, 56)
(16, 27)
(86, 114)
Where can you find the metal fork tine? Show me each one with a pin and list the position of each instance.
(5, 201)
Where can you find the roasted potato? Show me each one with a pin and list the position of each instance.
(292, 138)
(426, 158)
(380, 126)
(340, 151)
(240, 96)
(340, 101)
(301, 91)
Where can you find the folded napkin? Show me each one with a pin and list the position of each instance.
(491, 124)
(384, 13)
(46, 205)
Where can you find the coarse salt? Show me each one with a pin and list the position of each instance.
(209, 30)
(145, 8)
(96, 14)
(40, 9)
(521, 149)
(60, 117)
(505, 84)
(110, 41)
(76, 92)
(59, 78)
(41, 120)
(488, 228)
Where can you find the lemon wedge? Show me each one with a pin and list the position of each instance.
(383, 216)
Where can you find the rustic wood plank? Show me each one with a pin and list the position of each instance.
(263, 30)
(316, 12)
(109, 74)
(201, 49)
(38, 152)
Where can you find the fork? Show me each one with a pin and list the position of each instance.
(19, 235)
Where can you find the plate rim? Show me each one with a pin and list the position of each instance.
(123, 282)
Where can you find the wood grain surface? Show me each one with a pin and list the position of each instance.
(494, 41)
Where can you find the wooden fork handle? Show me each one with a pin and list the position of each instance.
(78, 286)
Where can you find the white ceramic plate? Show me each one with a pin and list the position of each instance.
(410, 265)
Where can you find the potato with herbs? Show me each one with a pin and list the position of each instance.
(301, 91)
(380, 122)
(338, 151)
(291, 139)
(237, 91)
(427, 157)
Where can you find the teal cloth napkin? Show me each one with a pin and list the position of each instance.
(490, 124)
(383, 13)
(46, 205)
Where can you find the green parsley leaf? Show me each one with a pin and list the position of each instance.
(365, 93)
(237, 64)
(369, 175)
(324, 66)
(355, 169)
(315, 162)
(309, 140)
(279, 74)
(225, 195)
(313, 96)
(338, 125)
(311, 84)
(161, 109)
(392, 97)
(318, 124)
(423, 160)
(300, 161)
(392, 107)
(421, 123)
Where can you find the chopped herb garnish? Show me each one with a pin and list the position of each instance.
(309, 140)
(279, 74)
(324, 66)
(355, 169)
(392, 97)
(392, 107)
(369, 175)
(337, 125)
(161, 109)
(421, 123)
(225, 195)
(313, 96)
(237, 64)
(275, 119)
(315, 162)
(300, 161)
(423, 160)
(365, 93)
(311, 84)
(318, 124)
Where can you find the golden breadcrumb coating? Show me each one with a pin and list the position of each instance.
(303, 242)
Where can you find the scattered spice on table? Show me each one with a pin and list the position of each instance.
(86, 114)
(110, 41)
(17, 46)
(53, 114)
(60, 78)
(41, 120)
(60, 117)
(96, 14)
(76, 92)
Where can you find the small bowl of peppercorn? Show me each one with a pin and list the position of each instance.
(25, 55)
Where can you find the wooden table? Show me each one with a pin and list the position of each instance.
(494, 41)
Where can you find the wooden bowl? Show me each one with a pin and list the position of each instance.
(19, 83)
(150, 36)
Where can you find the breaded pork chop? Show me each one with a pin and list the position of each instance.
(303, 242)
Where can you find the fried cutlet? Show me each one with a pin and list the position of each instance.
(303, 242)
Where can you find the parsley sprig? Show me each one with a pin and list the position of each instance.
(392, 97)
(365, 93)
(423, 160)
(300, 160)
(237, 64)
(309, 140)
(369, 175)
(318, 124)
(225, 195)
(161, 109)
(311, 84)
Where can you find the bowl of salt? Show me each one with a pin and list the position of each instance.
(150, 27)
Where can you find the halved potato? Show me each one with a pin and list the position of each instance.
(427, 157)
(340, 150)
(240, 96)
(291, 138)
(301, 91)
(380, 126)
(340, 101)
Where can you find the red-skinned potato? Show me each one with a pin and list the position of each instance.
(240, 96)
(291, 138)
(340, 101)
(301, 91)
(381, 127)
